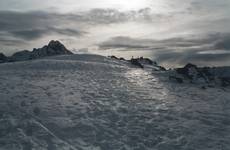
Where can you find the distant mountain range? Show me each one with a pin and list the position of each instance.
(52, 49)
(190, 73)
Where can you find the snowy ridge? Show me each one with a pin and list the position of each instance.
(90, 102)
(202, 76)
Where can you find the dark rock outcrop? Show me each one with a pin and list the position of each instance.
(3, 58)
(136, 62)
(121, 58)
(141, 62)
(162, 68)
(147, 61)
(193, 72)
(204, 75)
(188, 70)
(21, 56)
(114, 57)
(52, 49)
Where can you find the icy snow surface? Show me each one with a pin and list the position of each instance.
(89, 102)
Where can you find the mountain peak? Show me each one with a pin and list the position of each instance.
(55, 44)
(53, 48)
(58, 47)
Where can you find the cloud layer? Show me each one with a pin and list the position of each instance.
(210, 50)
(172, 32)
(31, 26)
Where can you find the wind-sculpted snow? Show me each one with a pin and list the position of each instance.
(86, 102)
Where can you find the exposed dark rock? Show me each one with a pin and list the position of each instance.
(140, 62)
(187, 69)
(205, 76)
(52, 49)
(147, 61)
(162, 68)
(136, 63)
(21, 56)
(3, 58)
(113, 57)
(121, 58)
(193, 73)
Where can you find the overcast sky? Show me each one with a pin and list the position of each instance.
(172, 32)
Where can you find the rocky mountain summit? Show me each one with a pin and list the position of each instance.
(205, 76)
(52, 49)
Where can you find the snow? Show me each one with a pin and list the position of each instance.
(90, 102)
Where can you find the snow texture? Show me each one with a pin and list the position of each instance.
(90, 102)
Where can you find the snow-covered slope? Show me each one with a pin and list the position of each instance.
(90, 102)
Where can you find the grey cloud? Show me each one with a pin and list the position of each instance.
(148, 44)
(210, 41)
(67, 31)
(172, 58)
(223, 43)
(210, 5)
(38, 33)
(8, 41)
(174, 51)
(107, 16)
(18, 28)
(28, 34)
(21, 29)
(8, 19)
(125, 42)
(34, 25)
